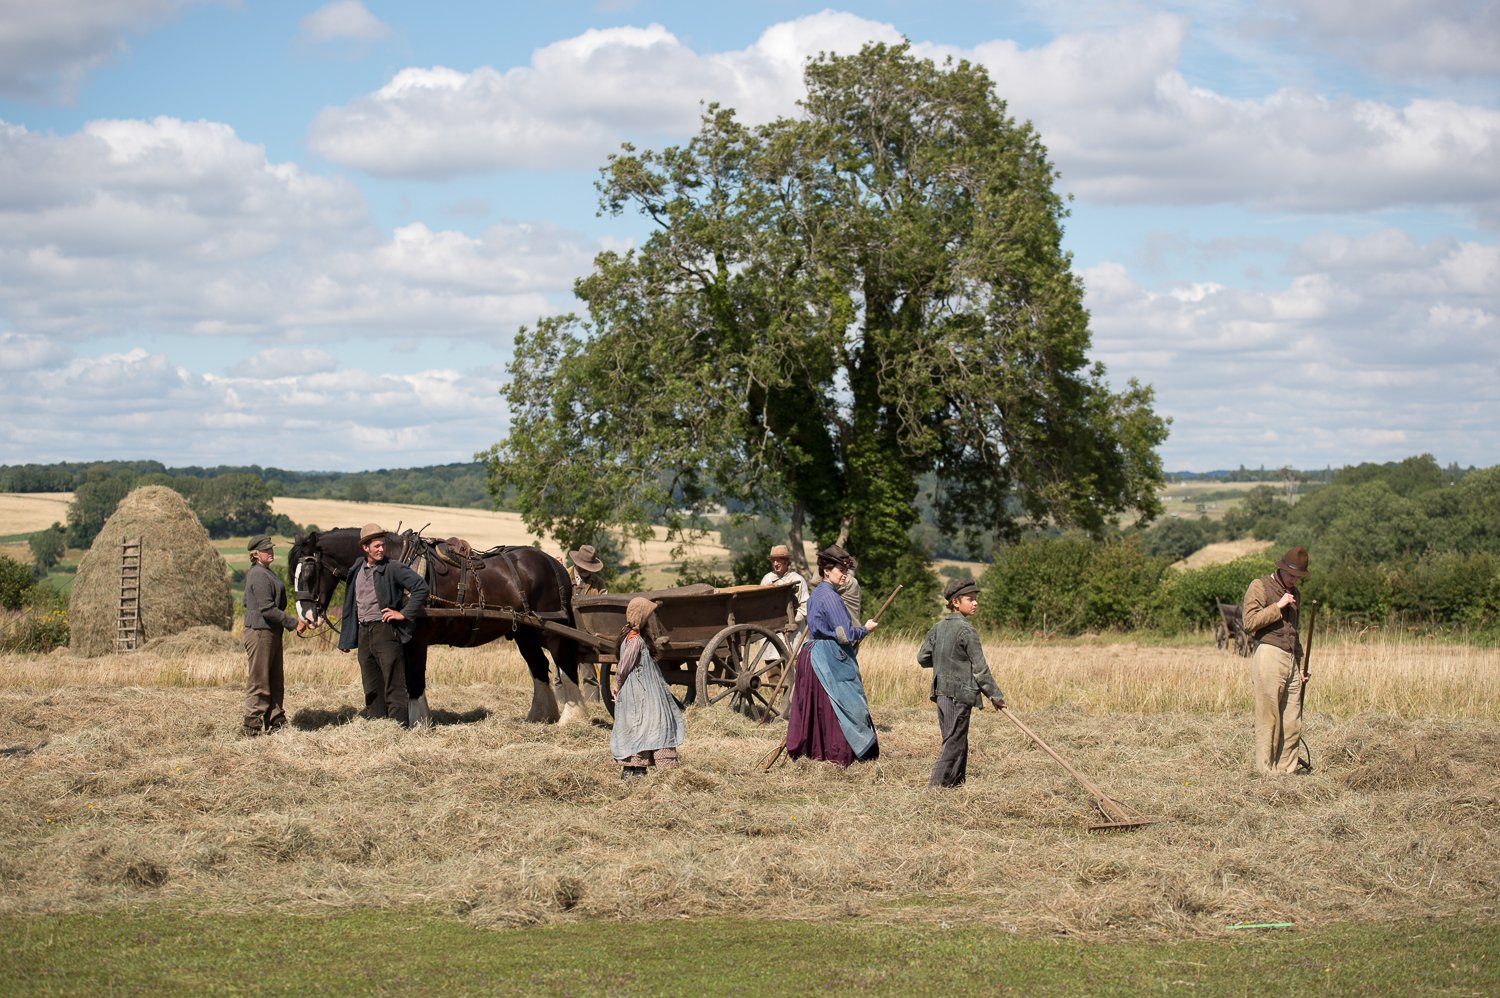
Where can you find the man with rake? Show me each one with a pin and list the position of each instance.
(960, 680)
(1270, 615)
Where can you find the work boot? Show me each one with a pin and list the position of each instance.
(252, 730)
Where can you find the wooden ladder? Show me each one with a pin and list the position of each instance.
(128, 620)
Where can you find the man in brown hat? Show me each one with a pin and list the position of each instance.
(782, 574)
(1270, 615)
(585, 572)
(381, 598)
(960, 680)
(265, 619)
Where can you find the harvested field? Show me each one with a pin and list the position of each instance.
(1223, 552)
(28, 512)
(129, 786)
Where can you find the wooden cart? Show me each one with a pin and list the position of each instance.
(1231, 629)
(727, 646)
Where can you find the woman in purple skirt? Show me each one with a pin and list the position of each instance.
(830, 717)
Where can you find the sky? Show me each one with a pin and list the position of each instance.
(305, 235)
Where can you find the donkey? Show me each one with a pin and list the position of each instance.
(519, 578)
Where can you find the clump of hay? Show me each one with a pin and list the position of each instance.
(201, 640)
(184, 580)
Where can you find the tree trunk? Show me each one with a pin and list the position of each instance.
(794, 535)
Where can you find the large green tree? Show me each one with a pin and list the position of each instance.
(828, 307)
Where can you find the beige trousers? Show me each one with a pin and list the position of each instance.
(264, 685)
(1278, 709)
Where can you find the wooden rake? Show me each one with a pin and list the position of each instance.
(1118, 816)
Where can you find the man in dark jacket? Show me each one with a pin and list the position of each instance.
(381, 597)
(960, 676)
(265, 619)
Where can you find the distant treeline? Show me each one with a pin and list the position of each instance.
(1264, 474)
(1407, 541)
(460, 484)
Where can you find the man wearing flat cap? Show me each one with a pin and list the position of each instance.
(960, 680)
(381, 598)
(1270, 615)
(265, 619)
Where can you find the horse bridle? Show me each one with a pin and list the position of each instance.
(315, 561)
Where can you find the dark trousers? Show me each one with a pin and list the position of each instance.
(382, 670)
(264, 684)
(952, 766)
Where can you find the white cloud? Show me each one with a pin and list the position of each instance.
(346, 19)
(577, 100)
(182, 227)
(48, 47)
(283, 362)
(1120, 119)
(1379, 346)
(141, 403)
(20, 353)
(1402, 38)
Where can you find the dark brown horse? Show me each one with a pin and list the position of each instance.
(524, 579)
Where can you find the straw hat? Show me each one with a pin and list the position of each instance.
(370, 532)
(779, 551)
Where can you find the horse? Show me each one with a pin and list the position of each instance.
(520, 578)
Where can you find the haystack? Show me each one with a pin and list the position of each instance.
(184, 580)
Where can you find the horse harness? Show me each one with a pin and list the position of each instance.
(438, 557)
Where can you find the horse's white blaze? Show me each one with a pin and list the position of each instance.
(303, 611)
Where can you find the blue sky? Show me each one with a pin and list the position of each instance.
(305, 235)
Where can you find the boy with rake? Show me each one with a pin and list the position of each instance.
(960, 678)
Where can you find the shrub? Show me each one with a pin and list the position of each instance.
(1186, 599)
(15, 580)
(48, 547)
(1069, 585)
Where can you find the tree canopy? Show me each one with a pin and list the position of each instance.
(829, 307)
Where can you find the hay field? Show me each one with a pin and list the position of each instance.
(1223, 552)
(129, 786)
(28, 512)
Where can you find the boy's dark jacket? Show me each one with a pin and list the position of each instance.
(953, 653)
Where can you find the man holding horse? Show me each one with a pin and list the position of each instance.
(265, 619)
(380, 599)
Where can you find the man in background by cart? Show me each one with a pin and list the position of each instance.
(585, 572)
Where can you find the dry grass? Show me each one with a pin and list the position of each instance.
(1223, 552)
(28, 512)
(128, 785)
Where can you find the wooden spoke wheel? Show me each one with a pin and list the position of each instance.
(1221, 636)
(738, 669)
(606, 696)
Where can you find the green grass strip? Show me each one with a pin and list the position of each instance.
(419, 954)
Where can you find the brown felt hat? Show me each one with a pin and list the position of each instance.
(638, 610)
(959, 587)
(370, 532)
(837, 555)
(1295, 561)
(779, 551)
(587, 559)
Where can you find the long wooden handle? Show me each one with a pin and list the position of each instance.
(1105, 802)
(894, 593)
(1312, 618)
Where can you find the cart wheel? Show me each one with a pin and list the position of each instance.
(733, 669)
(605, 696)
(1221, 636)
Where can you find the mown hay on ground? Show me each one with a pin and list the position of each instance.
(147, 796)
(184, 579)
